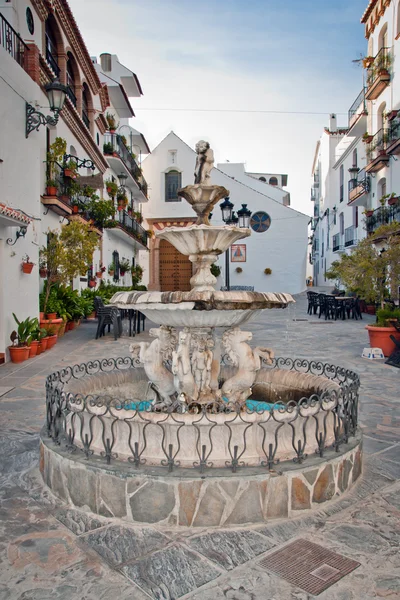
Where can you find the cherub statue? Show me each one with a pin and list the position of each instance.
(181, 367)
(204, 162)
(201, 364)
(153, 355)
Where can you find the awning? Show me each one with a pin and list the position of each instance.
(11, 217)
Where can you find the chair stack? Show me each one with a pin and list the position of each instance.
(107, 315)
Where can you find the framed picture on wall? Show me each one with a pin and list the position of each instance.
(238, 253)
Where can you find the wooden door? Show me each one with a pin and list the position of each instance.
(175, 269)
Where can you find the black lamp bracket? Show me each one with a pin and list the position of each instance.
(34, 119)
(20, 233)
(81, 163)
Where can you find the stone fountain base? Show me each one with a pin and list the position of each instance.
(187, 498)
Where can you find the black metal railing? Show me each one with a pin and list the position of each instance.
(394, 133)
(337, 242)
(85, 119)
(132, 226)
(71, 96)
(52, 57)
(97, 426)
(357, 108)
(350, 236)
(381, 64)
(12, 42)
(359, 185)
(377, 146)
(384, 215)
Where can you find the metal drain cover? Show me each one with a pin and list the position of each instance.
(311, 567)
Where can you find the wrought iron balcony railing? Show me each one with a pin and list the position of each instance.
(359, 185)
(337, 242)
(85, 119)
(350, 236)
(357, 108)
(379, 65)
(377, 146)
(384, 215)
(113, 143)
(71, 95)
(51, 56)
(12, 42)
(130, 225)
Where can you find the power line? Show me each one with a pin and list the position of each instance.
(234, 110)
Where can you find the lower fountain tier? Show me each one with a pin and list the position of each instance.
(200, 309)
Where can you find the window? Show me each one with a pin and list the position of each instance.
(354, 157)
(260, 222)
(29, 21)
(341, 223)
(51, 45)
(341, 186)
(116, 265)
(172, 157)
(173, 181)
(85, 105)
(380, 117)
(71, 82)
(383, 37)
(273, 181)
(381, 187)
(262, 179)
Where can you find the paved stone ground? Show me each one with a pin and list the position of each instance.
(50, 552)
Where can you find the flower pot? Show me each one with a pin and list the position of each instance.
(39, 349)
(41, 315)
(44, 343)
(92, 283)
(43, 273)
(61, 330)
(92, 315)
(112, 130)
(18, 353)
(70, 326)
(51, 341)
(27, 267)
(122, 272)
(33, 348)
(70, 173)
(369, 213)
(75, 209)
(111, 273)
(99, 274)
(393, 201)
(371, 309)
(379, 337)
(368, 139)
(51, 190)
(51, 316)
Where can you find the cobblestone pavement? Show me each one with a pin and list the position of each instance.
(49, 552)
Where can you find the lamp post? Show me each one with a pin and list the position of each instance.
(56, 93)
(230, 218)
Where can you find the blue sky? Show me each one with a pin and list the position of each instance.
(278, 55)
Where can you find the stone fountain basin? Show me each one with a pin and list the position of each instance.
(188, 432)
(184, 315)
(202, 239)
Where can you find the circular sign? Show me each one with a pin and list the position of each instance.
(260, 222)
(29, 21)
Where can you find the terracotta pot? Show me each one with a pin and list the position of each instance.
(379, 337)
(44, 343)
(99, 274)
(393, 201)
(368, 139)
(70, 326)
(18, 354)
(51, 191)
(43, 273)
(111, 273)
(112, 130)
(61, 330)
(369, 213)
(51, 341)
(371, 309)
(92, 283)
(39, 349)
(51, 316)
(70, 173)
(41, 315)
(27, 267)
(52, 328)
(75, 209)
(33, 348)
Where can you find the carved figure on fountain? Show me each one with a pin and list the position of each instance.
(153, 356)
(183, 378)
(247, 361)
(204, 162)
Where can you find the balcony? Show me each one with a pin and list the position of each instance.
(337, 243)
(12, 43)
(126, 224)
(358, 189)
(119, 156)
(384, 215)
(377, 156)
(358, 115)
(350, 237)
(314, 223)
(393, 145)
(51, 57)
(378, 76)
(60, 203)
(313, 195)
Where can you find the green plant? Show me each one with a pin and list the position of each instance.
(268, 271)
(385, 315)
(24, 331)
(101, 211)
(123, 140)
(215, 270)
(111, 268)
(108, 148)
(111, 121)
(112, 188)
(55, 155)
(124, 265)
(51, 183)
(121, 196)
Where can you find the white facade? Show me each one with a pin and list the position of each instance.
(282, 248)
(25, 65)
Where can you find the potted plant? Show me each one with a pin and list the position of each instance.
(367, 61)
(112, 188)
(112, 122)
(51, 187)
(367, 138)
(70, 169)
(55, 157)
(124, 266)
(92, 282)
(268, 271)
(380, 332)
(122, 200)
(108, 148)
(27, 265)
(19, 351)
(111, 269)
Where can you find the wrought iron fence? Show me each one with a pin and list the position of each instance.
(384, 215)
(378, 144)
(12, 42)
(359, 185)
(131, 225)
(379, 66)
(114, 142)
(357, 108)
(350, 236)
(311, 422)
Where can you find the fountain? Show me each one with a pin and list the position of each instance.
(198, 412)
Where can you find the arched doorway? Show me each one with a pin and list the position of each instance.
(175, 269)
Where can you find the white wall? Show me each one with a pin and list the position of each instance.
(283, 248)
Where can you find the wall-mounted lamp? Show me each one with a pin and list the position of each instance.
(122, 179)
(21, 233)
(56, 93)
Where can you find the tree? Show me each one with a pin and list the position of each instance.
(68, 254)
(372, 270)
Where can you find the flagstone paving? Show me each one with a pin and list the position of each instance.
(50, 552)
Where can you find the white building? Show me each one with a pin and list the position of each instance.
(49, 45)
(279, 237)
(355, 166)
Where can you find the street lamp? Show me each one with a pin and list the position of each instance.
(122, 179)
(229, 218)
(56, 93)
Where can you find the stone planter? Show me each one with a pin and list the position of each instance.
(379, 337)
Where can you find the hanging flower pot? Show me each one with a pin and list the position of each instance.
(99, 274)
(27, 267)
(75, 209)
(43, 273)
(51, 190)
(393, 201)
(111, 272)
(92, 283)
(70, 173)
